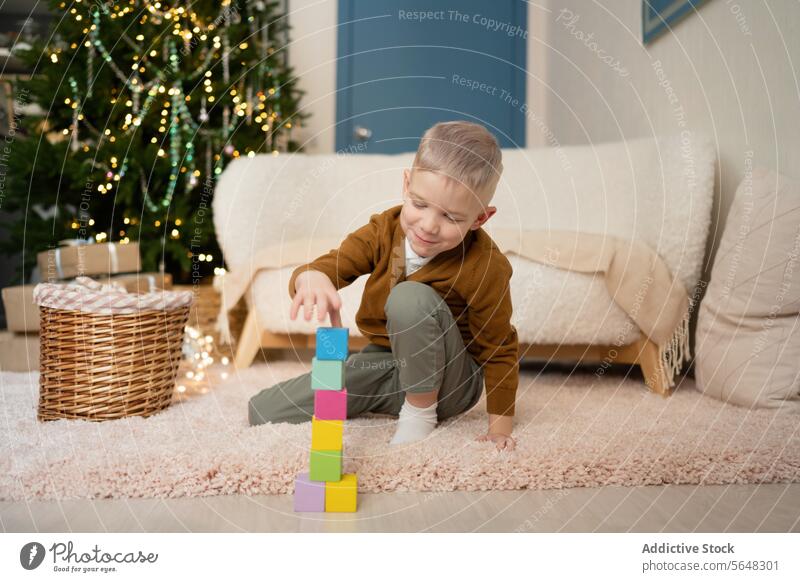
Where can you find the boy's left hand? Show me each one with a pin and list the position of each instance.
(503, 441)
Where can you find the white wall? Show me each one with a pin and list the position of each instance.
(312, 53)
(731, 67)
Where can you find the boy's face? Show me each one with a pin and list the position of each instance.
(437, 213)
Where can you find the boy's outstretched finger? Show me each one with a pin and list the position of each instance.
(296, 301)
(336, 319)
(308, 306)
(322, 307)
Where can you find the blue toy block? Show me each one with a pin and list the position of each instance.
(332, 343)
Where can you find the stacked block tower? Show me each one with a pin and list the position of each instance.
(324, 487)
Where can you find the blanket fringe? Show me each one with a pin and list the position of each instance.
(675, 351)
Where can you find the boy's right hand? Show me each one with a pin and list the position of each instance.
(315, 288)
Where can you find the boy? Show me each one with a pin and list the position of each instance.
(436, 307)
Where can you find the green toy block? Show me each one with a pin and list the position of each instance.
(325, 466)
(327, 374)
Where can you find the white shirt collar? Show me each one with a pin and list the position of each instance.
(413, 259)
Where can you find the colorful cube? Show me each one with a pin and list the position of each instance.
(332, 343)
(325, 465)
(308, 495)
(341, 495)
(326, 435)
(325, 487)
(327, 374)
(330, 404)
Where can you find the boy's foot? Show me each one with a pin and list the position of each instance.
(414, 423)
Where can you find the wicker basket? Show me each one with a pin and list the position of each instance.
(101, 367)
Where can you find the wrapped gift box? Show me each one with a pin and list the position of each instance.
(19, 352)
(22, 314)
(68, 262)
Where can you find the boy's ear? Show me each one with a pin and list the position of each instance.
(406, 180)
(483, 217)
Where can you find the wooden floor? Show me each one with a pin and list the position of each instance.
(673, 508)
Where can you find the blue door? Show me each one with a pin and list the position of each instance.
(404, 66)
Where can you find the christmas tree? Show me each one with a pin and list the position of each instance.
(145, 103)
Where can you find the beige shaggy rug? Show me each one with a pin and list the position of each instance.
(573, 430)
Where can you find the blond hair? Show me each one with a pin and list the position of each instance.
(464, 152)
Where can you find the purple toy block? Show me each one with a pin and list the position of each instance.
(330, 404)
(308, 495)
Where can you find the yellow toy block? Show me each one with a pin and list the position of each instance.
(340, 496)
(326, 435)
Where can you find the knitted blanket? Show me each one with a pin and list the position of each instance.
(636, 278)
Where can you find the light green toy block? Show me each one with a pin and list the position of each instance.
(325, 466)
(327, 374)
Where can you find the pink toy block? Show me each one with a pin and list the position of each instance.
(308, 495)
(330, 404)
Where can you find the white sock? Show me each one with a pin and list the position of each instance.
(414, 423)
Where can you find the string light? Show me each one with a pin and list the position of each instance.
(198, 355)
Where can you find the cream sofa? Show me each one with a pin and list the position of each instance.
(657, 190)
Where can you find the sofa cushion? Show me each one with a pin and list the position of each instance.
(748, 329)
(551, 306)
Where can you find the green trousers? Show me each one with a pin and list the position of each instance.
(427, 353)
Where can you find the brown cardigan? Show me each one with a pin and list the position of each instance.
(473, 278)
